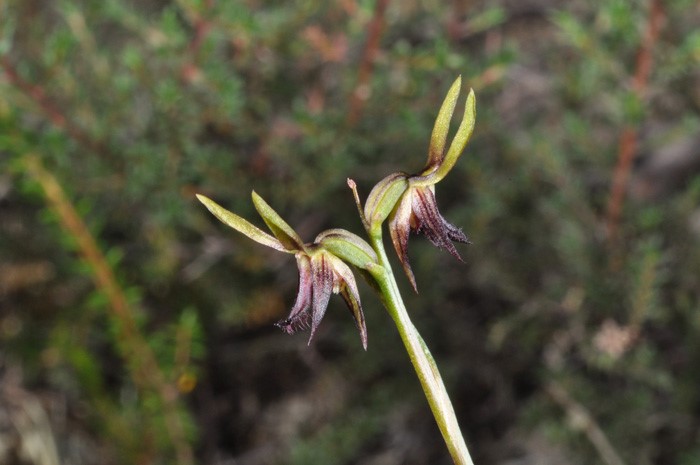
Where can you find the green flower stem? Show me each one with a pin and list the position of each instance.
(422, 360)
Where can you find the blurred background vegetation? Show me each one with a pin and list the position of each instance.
(136, 329)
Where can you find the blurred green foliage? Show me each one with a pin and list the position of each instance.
(135, 106)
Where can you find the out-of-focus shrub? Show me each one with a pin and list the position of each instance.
(131, 107)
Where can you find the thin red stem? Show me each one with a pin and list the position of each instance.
(361, 92)
(627, 146)
(201, 27)
(53, 113)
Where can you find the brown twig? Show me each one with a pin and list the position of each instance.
(145, 371)
(584, 421)
(362, 89)
(201, 27)
(627, 146)
(52, 112)
(454, 23)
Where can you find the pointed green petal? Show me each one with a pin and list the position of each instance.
(286, 235)
(241, 225)
(442, 125)
(464, 133)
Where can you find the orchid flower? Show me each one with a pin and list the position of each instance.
(322, 267)
(408, 201)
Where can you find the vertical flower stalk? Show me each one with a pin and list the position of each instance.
(409, 205)
(424, 364)
(408, 202)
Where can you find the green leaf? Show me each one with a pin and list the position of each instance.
(286, 235)
(442, 125)
(241, 225)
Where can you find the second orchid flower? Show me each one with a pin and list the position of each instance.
(408, 201)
